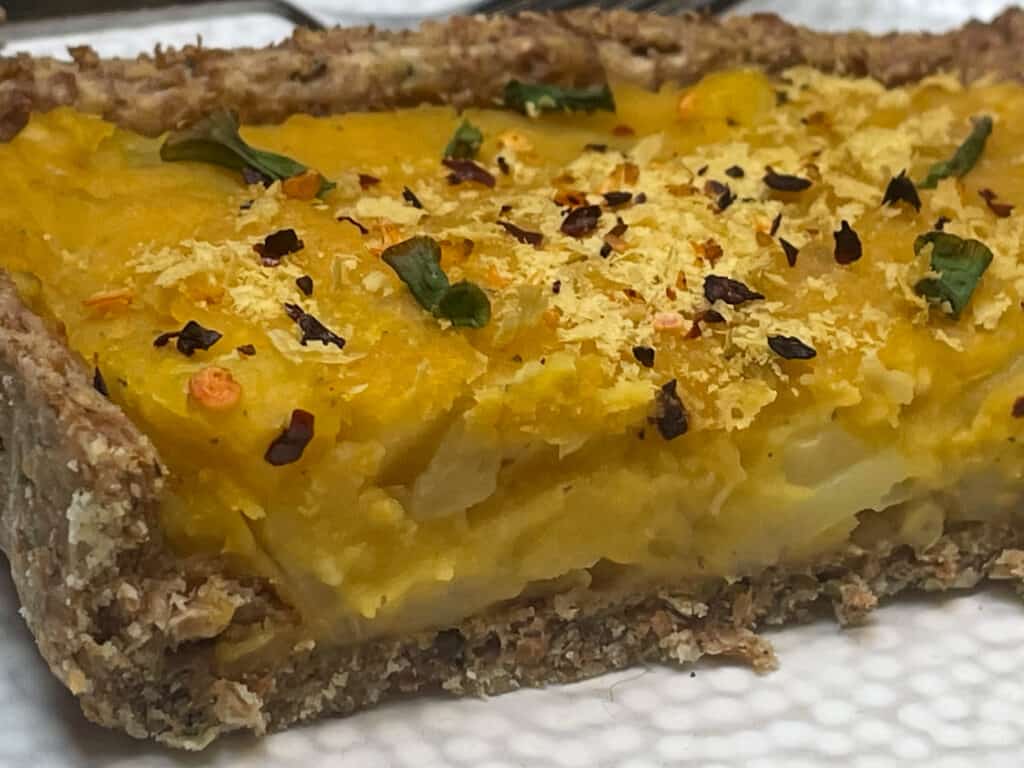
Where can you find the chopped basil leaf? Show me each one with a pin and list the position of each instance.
(465, 143)
(531, 99)
(959, 265)
(965, 157)
(215, 139)
(417, 261)
(465, 304)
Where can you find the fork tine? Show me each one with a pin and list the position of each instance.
(677, 7)
(664, 7)
(521, 6)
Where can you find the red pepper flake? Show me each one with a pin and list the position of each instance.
(362, 230)
(613, 238)
(601, 148)
(720, 194)
(782, 182)
(848, 247)
(732, 292)
(623, 130)
(644, 356)
(901, 189)
(639, 198)
(366, 181)
(570, 198)
(191, 337)
(941, 222)
(503, 165)
(712, 316)
(791, 348)
(305, 284)
(776, 223)
(98, 383)
(248, 350)
(312, 329)
(556, 287)
(467, 170)
(615, 199)
(505, 209)
(702, 170)
(277, 245)
(1018, 408)
(581, 221)
(252, 176)
(735, 172)
(287, 447)
(669, 412)
(1002, 210)
(522, 235)
(790, 250)
(709, 250)
(410, 197)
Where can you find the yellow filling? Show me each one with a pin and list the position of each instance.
(452, 467)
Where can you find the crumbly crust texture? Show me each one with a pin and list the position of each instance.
(132, 630)
(468, 60)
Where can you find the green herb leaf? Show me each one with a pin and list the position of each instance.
(959, 263)
(465, 142)
(417, 261)
(965, 157)
(215, 139)
(465, 304)
(531, 99)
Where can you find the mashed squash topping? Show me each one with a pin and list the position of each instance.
(435, 359)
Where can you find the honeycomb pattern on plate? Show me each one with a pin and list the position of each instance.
(935, 683)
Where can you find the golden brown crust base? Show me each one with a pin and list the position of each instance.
(131, 629)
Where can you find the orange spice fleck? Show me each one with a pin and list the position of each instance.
(622, 175)
(304, 186)
(118, 298)
(214, 388)
(681, 190)
(668, 322)
(570, 198)
(551, 317)
(495, 279)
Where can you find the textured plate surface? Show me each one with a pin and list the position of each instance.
(935, 683)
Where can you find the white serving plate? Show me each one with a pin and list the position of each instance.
(930, 682)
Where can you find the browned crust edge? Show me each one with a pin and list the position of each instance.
(468, 60)
(131, 630)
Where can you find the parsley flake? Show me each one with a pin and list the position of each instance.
(532, 99)
(958, 264)
(465, 142)
(417, 261)
(964, 158)
(215, 139)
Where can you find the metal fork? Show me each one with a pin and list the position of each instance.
(664, 7)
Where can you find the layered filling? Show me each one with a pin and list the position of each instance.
(433, 360)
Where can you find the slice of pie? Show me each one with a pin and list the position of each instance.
(302, 415)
